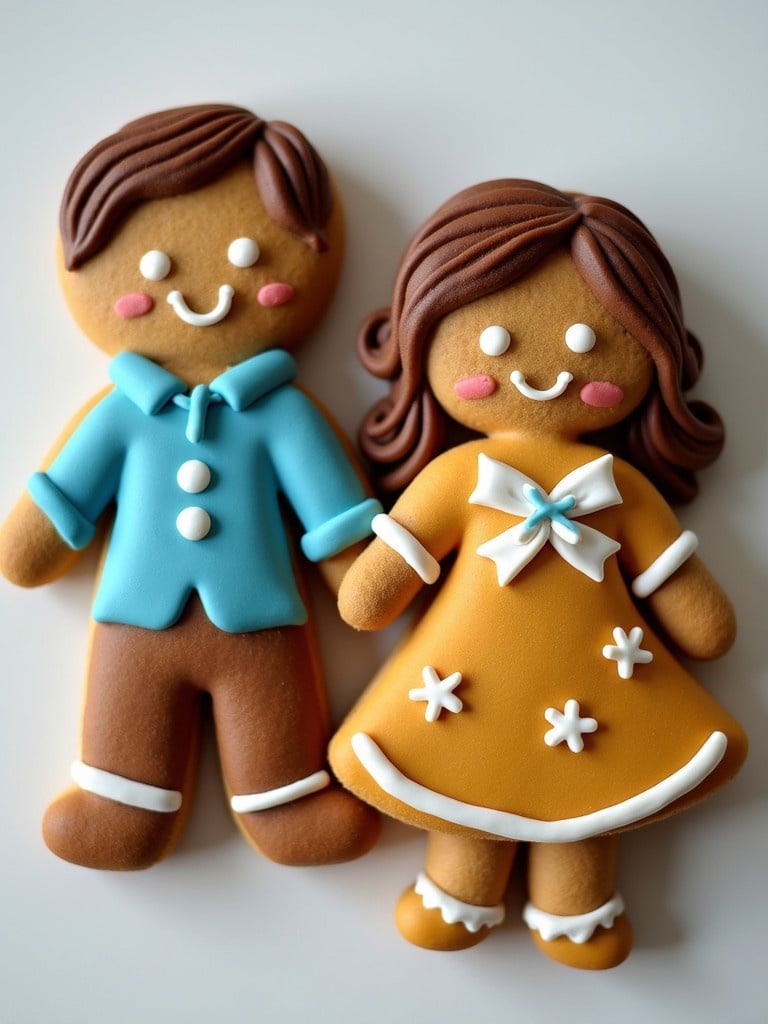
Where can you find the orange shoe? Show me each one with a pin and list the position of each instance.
(429, 917)
(594, 941)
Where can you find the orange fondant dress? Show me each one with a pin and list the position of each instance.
(533, 700)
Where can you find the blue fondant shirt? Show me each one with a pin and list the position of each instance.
(197, 479)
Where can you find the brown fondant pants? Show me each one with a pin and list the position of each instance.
(144, 695)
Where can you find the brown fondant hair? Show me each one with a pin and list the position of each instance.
(177, 151)
(482, 240)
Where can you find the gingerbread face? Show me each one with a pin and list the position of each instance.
(539, 355)
(204, 280)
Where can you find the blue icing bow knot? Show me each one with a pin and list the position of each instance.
(552, 510)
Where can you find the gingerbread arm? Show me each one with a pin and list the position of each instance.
(694, 612)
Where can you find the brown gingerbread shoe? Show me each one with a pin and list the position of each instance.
(582, 940)
(326, 827)
(98, 832)
(431, 918)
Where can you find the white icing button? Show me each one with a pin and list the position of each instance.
(193, 523)
(193, 476)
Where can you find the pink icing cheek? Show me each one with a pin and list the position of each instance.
(276, 293)
(134, 304)
(481, 386)
(601, 394)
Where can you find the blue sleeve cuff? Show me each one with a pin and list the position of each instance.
(71, 524)
(338, 533)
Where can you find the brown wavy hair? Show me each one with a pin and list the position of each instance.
(180, 150)
(482, 240)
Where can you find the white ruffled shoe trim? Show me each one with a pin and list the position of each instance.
(454, 911)
(579, 928)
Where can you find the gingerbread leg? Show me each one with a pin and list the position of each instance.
(575, 914)
(272, 728)
(140, 731)
(458, 897)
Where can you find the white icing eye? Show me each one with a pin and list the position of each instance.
(495, 340)
(580, 338)
(243, 252)
(155, 265)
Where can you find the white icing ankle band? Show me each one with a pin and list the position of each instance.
(282, 795)
(405, 544)
(666, 564)
(125, 791)
(455, 911)
(579, 928)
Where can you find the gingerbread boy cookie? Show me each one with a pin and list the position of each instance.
(199, 247)
(540, 697)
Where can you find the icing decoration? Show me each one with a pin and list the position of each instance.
(601, 394)
(193, 476)
(133, 305)
(276, 293)
(551, 510)
(579, 928)
(627, 653)
(193, 523)
(666, 564)
(177, 301)
(125, 791)
(249, 802)
(580, 338)
(546, 395)
(455, 911)
(438, 693)
(480, 386)
(243, 252)
(495, 340)
(547, 517)
(155, 265)
(567, 727)
(507, 825)
(405, 544)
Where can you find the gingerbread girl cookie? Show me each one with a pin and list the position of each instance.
(540, 697)
(199, 246)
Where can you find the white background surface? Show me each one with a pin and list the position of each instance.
(660, 105)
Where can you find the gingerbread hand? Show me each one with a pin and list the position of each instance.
(377, 588)
(31, 550)
(694, 612)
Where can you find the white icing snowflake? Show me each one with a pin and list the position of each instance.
(438, 693)
(567, 727)
(627, 653)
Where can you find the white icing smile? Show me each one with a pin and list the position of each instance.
(214, 316)
(563, 380)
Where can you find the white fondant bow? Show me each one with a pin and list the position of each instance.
(547, 517)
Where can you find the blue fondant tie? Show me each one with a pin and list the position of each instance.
(196, 405)
(552, 510)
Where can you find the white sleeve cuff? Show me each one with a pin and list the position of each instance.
(405, 544)
(666, 564)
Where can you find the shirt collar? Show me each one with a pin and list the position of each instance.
(150, 387)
